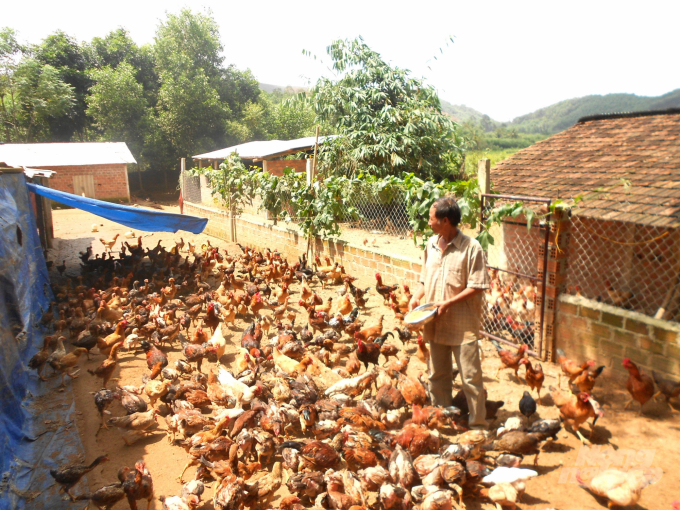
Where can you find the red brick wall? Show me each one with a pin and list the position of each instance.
(110, 181)
(587, 329)
(276, 167)
(359, 261)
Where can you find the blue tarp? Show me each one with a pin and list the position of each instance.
(37, 432)
(139, 219)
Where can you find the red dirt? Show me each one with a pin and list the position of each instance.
(621, 430)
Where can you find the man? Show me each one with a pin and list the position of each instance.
(454, 277)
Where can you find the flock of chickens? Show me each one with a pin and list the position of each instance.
(333, 409)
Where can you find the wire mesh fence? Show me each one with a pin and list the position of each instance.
(628, 265)
(379, 211)
(191, 188)
(514, 304)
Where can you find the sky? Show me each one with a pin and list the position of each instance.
(507, 58)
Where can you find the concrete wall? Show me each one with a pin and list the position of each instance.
(110, 181)
(587, 329)
(359, 261)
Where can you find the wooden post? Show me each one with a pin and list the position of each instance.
(316, 145)
(484, 176)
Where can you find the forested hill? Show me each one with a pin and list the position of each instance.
(560, 116)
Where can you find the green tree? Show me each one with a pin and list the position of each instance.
(10, 53)
(388, 122)
(71, 61)
(38, 96)
(118, 108)
(118, 47)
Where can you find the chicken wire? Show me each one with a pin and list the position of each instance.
(379, 212)
(628, 265)
(513, 310)
(191, 188)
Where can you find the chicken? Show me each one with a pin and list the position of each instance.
(136, 421)
(219, 343)
(371, 332)
(401, 467)
(586, 381)
(669, 389)
(416, 439)
(502, 495)
(211, 319)
(617, 297)
(346, 386)
(509, 359)
(309, 484)
(639, 385)
(241, 393)
(574, 410)
(156, 389)
(570, 368)
(106, 368)
(105, 497)
(319, 455)
(266, 484)
(103, 399)
(109, 243)
(384, 290)
(423, 353)
(519, 442)
(155, 359)
(106, 344)
(68, 476)
(229, 494)
(621, 488)
(37, 362)
(534, 376)
(285, 363)
(368, 352)
(67, 362)
(527, 405)
(137, 484)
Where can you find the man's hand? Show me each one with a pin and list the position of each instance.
(414, 303)
(442, 307)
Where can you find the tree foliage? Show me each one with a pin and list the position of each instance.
(388, 121)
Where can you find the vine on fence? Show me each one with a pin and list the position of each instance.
(319, 208)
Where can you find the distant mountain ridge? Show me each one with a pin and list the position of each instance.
(560, 116)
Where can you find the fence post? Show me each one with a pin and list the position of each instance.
(556, 269)
(484, 176)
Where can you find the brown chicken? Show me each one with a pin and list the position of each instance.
(423, 353)
(639, 385)
(37, 362)
(534, 376)
(669, 389)
(107, 367)
(211, 318)
(367, 352)
(371, 332)
(319, 455)
(570, 368)
(137, 484)
(416, 439)
(384, 290)
(67, 362)
(70, 475)
(106, 344)
(390, 398)
(586, 381)
(360, 458)
(414, 393)
(574, 410)
(156, 361)
(509, 359)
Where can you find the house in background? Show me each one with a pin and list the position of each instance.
(92, 169)
(613, 285)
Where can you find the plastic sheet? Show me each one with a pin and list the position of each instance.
(37, 431)
(139, 219)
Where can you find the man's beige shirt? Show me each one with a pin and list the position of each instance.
(446, 275)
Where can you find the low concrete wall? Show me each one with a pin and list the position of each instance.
(587, 329)
(358, 260)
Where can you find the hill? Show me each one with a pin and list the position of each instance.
(267, 87)
(562, 115)
(462, 113)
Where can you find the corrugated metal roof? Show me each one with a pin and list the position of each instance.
(65, 154)
(264, 149)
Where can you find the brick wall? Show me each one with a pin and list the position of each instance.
(110, 181)
(358, 261)
(587, 329)
(275, 167)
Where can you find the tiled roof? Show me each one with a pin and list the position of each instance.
(626, 168)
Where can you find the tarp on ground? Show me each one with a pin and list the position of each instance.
(37, 428)
(133, 217)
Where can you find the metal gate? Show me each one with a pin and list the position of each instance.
(514, 309)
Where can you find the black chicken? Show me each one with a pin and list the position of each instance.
(68, 476)
(527, 405)
(103, 399)
(492, 406)
(105, 497)
(155, 359)
(368, 352)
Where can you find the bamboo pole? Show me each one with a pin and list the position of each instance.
(309, 253)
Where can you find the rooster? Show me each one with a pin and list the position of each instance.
(639, 385)
(368, 353)
(384, 290)
(155, 359)
(509, 359)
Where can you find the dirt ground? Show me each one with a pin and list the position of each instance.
(653, 437)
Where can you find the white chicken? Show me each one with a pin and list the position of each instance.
(621, 488)
(234, 388)
(346, 385)
(508, 475)
(218, 342)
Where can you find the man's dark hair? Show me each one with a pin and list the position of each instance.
(447, 207)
